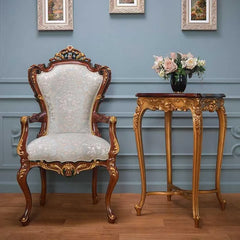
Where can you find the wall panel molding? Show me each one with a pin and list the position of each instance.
(139, 80)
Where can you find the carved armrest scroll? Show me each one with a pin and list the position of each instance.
(38, 117)
(113, 138)
(21, 148)
(100, 118)
(112, 120)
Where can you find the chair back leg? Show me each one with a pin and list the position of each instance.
(44, 187)
(94, 185)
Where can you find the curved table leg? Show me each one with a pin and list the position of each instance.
(197, 148)
(137, 124)
(221, 137)
(168, 140)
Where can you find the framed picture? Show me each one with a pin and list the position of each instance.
(199, 14)
(55, 15)
(126, 6)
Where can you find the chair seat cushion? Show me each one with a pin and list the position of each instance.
(66, 147)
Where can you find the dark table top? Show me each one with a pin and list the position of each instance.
(182, 95)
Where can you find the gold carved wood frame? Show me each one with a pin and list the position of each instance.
(55, 15)
(188, 13)
(126, 6)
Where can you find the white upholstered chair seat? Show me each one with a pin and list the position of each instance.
(65, 147)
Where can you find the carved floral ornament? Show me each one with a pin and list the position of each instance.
(195, 105)
(180, 104)
(66, 169)
(70, 53)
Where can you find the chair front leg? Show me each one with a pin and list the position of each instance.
(113, 172)
(22, 181)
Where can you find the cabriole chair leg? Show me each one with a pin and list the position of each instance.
(22, 181)
(112, 182)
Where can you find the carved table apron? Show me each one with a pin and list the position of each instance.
(196, 103)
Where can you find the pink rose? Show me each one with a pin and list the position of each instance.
(173, 55)
(169, 66)
(186, 56)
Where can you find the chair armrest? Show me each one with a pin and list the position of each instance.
(21, 148)
(25, 120)
(114, 150)
(38, 117)
(112, 120)
(100, 118)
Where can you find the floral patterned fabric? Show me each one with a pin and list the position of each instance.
(69, 91)
(68, 147)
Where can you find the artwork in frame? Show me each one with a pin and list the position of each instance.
(126, 6)
(199, 14)
(55, 15)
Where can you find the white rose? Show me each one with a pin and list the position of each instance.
(201, 63)
(155, 65)
(161, 73)
(189, 55)
(183, 64)
(191, 63)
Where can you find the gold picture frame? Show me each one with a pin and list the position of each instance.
(199, 14)
(55, 15)
(126, 6)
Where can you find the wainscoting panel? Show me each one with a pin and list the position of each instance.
(17, 100)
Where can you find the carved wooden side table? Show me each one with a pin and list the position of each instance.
(196, 103)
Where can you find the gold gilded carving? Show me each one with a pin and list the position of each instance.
(68, 168)
(211, 105)
(87, 166)
(22, 172)
(196, 114)
(21, 145)
(40, 97)
(138, 113)
(20, 152)
(99, 97)
(112, 169)
(114, 142)
(69, 53)
(164, 104)
(197, 118)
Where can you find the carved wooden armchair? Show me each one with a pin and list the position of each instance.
(69, 91)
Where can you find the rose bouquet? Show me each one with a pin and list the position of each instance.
(178, 64)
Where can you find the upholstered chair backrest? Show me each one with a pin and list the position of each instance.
(69, 91)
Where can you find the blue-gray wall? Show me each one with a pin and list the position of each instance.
(125, 43)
